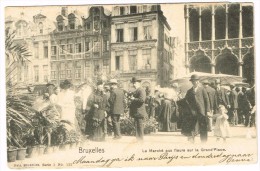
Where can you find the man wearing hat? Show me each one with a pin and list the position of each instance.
(233, 104)
(137, 108)
(198, 103)
(221, 95)
(212, 101)
(117, 106)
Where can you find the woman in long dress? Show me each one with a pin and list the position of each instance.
(65, 99)
(98, 105)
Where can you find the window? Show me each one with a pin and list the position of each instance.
(145, 8)
(106, 43)
(122, 10)
(106, 65)
(72, 25)
(77, 73)
(87, 45)
(78, 48)
(45, 73)
(117, 62)
(41, 28)
(62, 71)
(120, 35)
(132, 59)
(53, 50)
(36, 50)
(96, 66)
(104, 24)
(60, 26)
(62, 50)
(133, 34)
(53, 75)
(45, 51)
(148, 30)
(96, 46)
(36, 73)
(146, 58)
(68, 69)
(133, 9)
(70, 48)
(88, 26)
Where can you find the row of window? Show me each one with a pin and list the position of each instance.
(37, 73)
(124, 10)
(78, 47)
(72, 25)
(132, 59)
(167, 56)
(133, 33)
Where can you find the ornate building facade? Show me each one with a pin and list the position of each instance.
(141, 45)
(35, 36)
(80, 46)
(219, 38)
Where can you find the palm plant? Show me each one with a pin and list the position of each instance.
(18, 105)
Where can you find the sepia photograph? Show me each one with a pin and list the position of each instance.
(130, 85)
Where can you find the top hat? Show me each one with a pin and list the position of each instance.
(206, 82)
(194, 77)
(134, 80)
(113, 81)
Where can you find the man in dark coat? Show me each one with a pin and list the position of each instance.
(137, 108)
(221, 95)
(198, 102)
(233, 104)
(117, 106)
(212, 101)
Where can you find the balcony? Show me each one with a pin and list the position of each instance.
(232, 43)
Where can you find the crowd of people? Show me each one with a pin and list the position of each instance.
(204, 108)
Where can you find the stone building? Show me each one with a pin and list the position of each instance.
(141, 45)
(35, 36)
(80, 45)
(219, 38)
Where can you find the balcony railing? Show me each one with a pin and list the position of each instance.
(245, 42)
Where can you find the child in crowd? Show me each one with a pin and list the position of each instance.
(221, 129)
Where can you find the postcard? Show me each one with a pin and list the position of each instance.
(130, 85)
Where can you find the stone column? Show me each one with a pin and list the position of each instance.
(187, 36)
(240, 68)
(212, 37)
(226, 35)
(212, 68)
(240, 41)
(200, 33)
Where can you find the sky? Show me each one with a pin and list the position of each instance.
(173, 12)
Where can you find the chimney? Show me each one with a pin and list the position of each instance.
(64, 11)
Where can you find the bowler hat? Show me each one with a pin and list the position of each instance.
(205, 82)
(134, 79)
(194, 77)
(99, 82)
(113, 81)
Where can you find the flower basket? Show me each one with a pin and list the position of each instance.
(21, 153)
(11, 154)
(32, 151)
(41, 149)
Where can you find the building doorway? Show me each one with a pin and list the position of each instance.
(200, 64)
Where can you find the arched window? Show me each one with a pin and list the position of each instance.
(41, 28)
